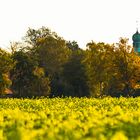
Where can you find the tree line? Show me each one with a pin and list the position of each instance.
(45, 64)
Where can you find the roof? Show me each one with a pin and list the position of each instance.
(136, 37)
(8, 91)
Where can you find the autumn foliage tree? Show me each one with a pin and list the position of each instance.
(126, 69)
(112, 69)
(98, 63)
(6, 64)
(45, 64)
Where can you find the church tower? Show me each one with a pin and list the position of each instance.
(136, 40)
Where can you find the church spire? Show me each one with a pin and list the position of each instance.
(137, 26)
(136, 39)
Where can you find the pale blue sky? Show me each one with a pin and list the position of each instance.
(80, 20)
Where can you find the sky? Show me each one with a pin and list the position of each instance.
(79, 20)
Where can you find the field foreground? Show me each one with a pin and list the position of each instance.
(70, 119)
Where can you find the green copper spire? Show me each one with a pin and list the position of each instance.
(136, 41)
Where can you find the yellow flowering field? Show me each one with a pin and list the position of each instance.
(70, 119)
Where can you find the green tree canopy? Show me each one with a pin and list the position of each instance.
(74, 74)
(27, 78)
(51, 53)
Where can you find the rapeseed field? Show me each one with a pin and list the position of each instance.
(70, 119)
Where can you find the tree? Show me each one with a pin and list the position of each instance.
(73, 45)
(27, 78)
(52, 53)
(6, 65)
(34, 37)
(98, 63)
(75, 76)
(112, 69)
(126, 69)
(40, 85)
